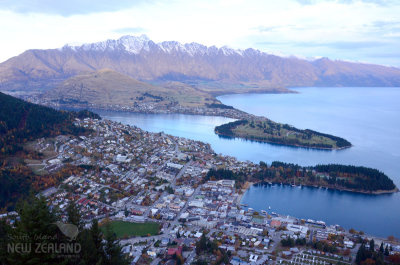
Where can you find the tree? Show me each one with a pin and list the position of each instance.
(381, 249)
(386, 251)
(201, 245)
(395, 259)
(92, 245)
(372, 245)
(35, 227)
(346, 252)
(74, 217)
(361, 254)
(4, 240)
(289, 242)
(112, 249)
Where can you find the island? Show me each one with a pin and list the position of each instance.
(264, 130)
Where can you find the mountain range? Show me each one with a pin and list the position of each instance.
(200, 66)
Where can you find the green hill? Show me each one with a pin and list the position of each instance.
(21, 121)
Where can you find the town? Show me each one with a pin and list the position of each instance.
(153, 189)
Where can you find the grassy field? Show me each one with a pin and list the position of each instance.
(122, 228)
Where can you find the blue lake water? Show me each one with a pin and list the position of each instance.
(368, 117)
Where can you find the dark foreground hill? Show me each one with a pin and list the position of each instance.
(21, 122)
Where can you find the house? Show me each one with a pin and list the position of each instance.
(173, 251)
(253, 258)
(227, 183)
(348, 243)
(164, 241)
(275, 223)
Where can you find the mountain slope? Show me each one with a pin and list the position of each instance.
(21, 121)
(105, 88)
(142, 59)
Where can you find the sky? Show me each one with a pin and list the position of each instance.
(354, 30)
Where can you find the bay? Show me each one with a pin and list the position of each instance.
(368, 117)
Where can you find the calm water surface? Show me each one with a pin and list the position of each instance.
(368, 117)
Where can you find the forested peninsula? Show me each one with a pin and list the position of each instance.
(334, 176)
(264, 130)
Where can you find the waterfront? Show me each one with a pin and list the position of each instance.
(367, 117)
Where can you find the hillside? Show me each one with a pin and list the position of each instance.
(220, 70)
(106, 88)
(21, 121)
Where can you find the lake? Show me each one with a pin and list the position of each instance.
(368, 117)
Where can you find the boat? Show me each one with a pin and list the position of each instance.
(269, 207)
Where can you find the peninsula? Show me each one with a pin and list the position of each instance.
(265, 130)
(333, 176)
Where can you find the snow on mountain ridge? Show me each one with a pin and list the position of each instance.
(137, 44)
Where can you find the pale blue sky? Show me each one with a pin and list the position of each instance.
(365, 31)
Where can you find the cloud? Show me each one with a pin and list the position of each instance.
(67, 8)
(377, 2)
(262, 29)
(384, 25)
(129, 30)
(350, 45)
(342, 45)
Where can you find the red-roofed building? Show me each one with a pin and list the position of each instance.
(275, 223)
(177, 251)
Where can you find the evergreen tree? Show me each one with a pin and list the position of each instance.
(387, 251)
(381, 249)
(97, 236)
(113, 251)
(372, 245)
(74, 216)
(92, 245)
(4, 240)
(35, 227)
(361, 255)
(201, 245)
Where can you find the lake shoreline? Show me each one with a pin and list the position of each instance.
(355, 120)
(378, 192)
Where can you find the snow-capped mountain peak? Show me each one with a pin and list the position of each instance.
(138, 44)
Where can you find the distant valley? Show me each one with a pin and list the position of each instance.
(211, 69)
(138, 75)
